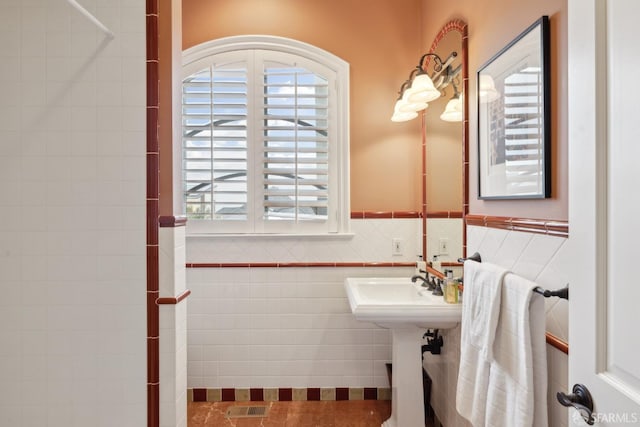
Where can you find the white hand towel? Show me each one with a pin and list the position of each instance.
(480, 310)
(516, 395)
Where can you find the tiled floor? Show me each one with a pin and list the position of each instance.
(346, 413)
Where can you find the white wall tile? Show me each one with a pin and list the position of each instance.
(371, 243)
(537, 257)
(61, 334)
(271, 329)
(444, 228)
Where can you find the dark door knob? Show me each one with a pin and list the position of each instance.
(581, 400)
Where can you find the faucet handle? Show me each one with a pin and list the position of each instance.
(438, 289)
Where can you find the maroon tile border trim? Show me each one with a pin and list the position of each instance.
(357, 215)
(173, 300)
(452, 264)
(285, 394)
(296, 264)
(404, 214)
(385, 214)
(455, 24)
(444, 214)
(539, 226)
(342, 393)
(313, 393)
(556, 342)
(370, 393)
(168, 221)
(435, 273)
(199, 394)
(152, 214)
(423, 182)
(256, 394)
(228, 394)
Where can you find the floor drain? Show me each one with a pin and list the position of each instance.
(247, 411)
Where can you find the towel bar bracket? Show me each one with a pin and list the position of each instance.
(560, 293)
(475, 257)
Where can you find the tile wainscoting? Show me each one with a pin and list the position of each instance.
(539, 256)
(272, 312)
(279, 319)
(282, 327)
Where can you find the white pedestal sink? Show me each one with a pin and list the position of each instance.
(408, 310)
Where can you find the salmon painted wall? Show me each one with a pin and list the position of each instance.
(492, 24)
(381, 41)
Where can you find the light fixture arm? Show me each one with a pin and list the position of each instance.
(456, 92)
(438, 62)
(404, 87)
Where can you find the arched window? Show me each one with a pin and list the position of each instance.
(265, 137)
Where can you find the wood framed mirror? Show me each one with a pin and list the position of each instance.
(445, 156)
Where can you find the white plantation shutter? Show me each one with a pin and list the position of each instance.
(296, 168)
(215, 142)
(262, 136)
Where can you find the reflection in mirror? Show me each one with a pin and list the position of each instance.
(445, 131)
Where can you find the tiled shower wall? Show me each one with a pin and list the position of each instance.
(172, 325)
(538, 257)
(72, 215)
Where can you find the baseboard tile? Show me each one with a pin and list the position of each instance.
(286, 394)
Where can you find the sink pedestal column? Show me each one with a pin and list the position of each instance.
(407, 393)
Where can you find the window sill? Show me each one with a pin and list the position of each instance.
(329, 236)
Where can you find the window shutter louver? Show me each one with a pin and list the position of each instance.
(215, 143)
(295, 143)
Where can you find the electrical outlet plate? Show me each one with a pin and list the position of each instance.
(444, 246)
(397, 247)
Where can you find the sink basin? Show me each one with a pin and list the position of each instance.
(396, 302)
(407, 309)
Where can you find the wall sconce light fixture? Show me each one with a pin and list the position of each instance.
(453, 110)
(487, 91)
(404, 109)
(419, 89)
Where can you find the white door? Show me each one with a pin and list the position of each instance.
(604, 207)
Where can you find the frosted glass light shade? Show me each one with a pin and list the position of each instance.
(405, 105)
(402, 113)
(487, 89)
(422, 89)
(453, 111)
(399, 116)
